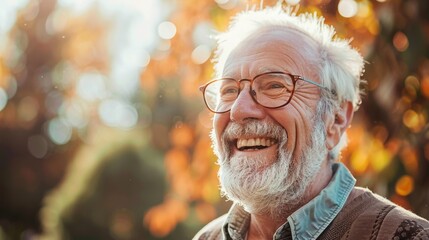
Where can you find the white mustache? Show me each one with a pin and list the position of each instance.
(253, 128)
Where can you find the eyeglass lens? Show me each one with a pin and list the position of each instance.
(270, 90)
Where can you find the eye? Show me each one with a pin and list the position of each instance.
(229, 90)
(274, 85)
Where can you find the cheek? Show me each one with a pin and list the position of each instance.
(287, 120)
(297, 124)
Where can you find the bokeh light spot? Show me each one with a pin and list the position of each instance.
(292, 2)
(3, 98)
(400, 41)
(91, 86)
(364, 9)
(227, 4)
(121, 224)
(160, 220)
(8, 13)
(11, 86)
(425, 86)
(359, 162)
(53, 101)
(404, 186)
(201, 54)
(145, 58)
(412, 81)
(56, 22)
(381, 160)
(59, 131)
(411, 119)
(37, 146)
(203, 34)
(410, 159)
(117, 113)
(167, 30)
(75, 114)
(347, 8)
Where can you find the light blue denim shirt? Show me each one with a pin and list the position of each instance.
(310, 220)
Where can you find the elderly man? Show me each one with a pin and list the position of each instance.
(285, 94)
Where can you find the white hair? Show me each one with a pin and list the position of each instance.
(339, 66)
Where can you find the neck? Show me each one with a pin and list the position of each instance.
(263, 226)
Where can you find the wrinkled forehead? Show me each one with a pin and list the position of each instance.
(291, 45)
(286, 35)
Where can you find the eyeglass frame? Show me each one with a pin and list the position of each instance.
(294, 78)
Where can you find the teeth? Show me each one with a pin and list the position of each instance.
(252, 142)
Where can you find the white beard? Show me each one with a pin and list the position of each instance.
(271, 189)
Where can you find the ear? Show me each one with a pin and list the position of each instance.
(336, 125)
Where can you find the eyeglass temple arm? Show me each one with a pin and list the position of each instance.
(317, 84)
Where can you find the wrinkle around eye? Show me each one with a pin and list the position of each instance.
(307, 92)
(305, 102)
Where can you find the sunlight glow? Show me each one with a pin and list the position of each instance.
(136, 29)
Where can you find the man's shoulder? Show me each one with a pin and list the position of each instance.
(383, 209)
(402, 223)
(385, 219)
(212, 231)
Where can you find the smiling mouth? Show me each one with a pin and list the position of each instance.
(254, 143)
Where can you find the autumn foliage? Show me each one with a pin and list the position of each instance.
(104, 134)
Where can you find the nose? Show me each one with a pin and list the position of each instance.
(245, 107)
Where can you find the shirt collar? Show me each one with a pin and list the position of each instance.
(310, 220)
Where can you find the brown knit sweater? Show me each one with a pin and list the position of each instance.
(370, 216)
(366, 216)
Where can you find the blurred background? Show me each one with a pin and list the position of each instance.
(104, 135)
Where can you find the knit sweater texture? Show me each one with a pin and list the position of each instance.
(366, 216)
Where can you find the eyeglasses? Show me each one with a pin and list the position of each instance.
(271, 90)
